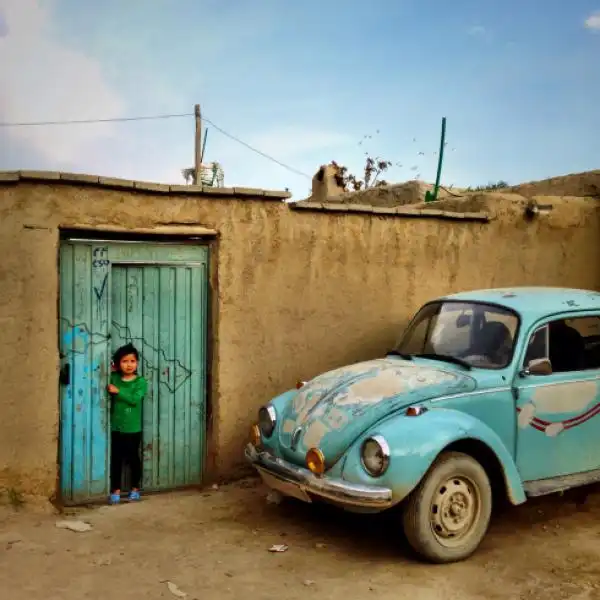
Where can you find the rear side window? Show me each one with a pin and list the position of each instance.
(570, 344)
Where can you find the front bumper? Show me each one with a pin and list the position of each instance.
(300, 483)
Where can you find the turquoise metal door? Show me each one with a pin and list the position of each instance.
(159, 310)
(154, 296)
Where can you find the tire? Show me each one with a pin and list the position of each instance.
(431, 528)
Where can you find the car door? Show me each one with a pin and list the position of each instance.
(558, 431)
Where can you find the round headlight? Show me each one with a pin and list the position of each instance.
(375, 455)
(267, 418)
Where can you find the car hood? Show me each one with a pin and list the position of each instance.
(333, 409)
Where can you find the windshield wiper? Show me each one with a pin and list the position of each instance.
(447, 358)
(400, 354)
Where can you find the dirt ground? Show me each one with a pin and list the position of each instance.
(216, 544)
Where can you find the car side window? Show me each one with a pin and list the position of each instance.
(538, 346)
(575, 344)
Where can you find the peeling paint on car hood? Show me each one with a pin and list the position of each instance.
(333, 409)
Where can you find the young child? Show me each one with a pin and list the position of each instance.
(127, 390)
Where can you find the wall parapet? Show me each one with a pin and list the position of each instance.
(399, 211)
(142, 186)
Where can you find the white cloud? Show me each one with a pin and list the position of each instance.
(593, 21)
(477, 31)
(43, 79)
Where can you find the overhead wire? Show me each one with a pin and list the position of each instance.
(88, 121)
(154, 118)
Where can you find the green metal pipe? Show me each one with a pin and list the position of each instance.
(432, 196)
(203, 146)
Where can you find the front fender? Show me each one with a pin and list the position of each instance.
(415, 442)
(280, 404)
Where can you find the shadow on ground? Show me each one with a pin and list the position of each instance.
(380, 536)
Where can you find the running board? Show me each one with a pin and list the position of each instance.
(541, 487)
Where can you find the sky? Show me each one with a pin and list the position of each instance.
(304, 82)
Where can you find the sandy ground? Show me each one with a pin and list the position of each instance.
(216, 545)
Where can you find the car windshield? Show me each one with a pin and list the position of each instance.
(472, 334)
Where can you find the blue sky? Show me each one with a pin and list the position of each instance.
(303, 82)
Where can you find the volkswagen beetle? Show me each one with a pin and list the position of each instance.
(487, 392)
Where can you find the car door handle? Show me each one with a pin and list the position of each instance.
(65, 374)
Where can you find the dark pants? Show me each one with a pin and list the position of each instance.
(125, 449)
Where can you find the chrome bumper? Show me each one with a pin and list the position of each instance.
(334, 490)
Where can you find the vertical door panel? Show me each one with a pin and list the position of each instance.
(66, 359)
(83, 347)
(198, 310)
(80, 368)
(166, 376)
(99, 370)
(181, 410)
(150, 360)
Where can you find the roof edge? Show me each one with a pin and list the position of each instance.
(398, 211)
(7, 177)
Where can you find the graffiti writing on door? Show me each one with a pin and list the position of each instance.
(78, 340)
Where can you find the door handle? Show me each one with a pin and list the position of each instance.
(65, 374)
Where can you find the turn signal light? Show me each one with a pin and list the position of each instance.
(415, 411)
(255, 437)
(300, 384)
(315, 461)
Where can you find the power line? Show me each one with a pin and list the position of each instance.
(154, 118)
(255, 149)
(88, 121)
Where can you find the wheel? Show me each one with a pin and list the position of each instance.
(448, 513)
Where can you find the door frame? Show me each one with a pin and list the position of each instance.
(197, 236)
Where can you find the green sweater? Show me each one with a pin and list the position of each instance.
(126, 409)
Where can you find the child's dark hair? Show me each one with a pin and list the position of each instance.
(124, 351)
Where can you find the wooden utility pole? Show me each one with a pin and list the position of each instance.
(197, 145)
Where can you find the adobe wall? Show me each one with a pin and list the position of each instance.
(299, 289)
(327, 188)
(575, 184)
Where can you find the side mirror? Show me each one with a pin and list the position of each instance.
(538, 366)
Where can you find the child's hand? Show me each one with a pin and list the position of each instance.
(112, 389)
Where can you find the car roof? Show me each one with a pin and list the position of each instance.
(534, 302)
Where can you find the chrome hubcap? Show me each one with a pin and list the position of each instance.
(455, 509)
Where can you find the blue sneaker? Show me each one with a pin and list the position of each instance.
(134, 495)
(114, 498)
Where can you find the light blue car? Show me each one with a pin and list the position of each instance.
(488, 394)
